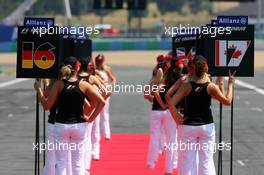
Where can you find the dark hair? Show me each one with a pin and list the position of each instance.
(201, 66)
(173, 62)
(70, 61)
(172, 76)
(162, 65)
(89, 58)
(84, 62)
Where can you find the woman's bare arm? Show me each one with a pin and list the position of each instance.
(216, 93)
(87, 107)
(47, 90)
(111, 74)
(157, 96)
(95, 97)
(177, 97)
(220, 83)
(173, 89)
(101, 86)
(100, 77)
(48, 102)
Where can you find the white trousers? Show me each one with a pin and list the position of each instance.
(162, 140)
(95, 137)
(70, 141)
(102, 118)
(88, 147)
(50, 159)
(196, 149)
(159, 120)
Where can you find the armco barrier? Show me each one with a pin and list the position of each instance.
(112, 45)
(259, 36)
(9, 46)
(132, 44)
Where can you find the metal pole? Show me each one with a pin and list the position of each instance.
(259, 15)
(68, 13)
(44, 130)
(139, 22)
(38, 142)
(37, 138)
(101, 17)
(220, 160)
(232, 137)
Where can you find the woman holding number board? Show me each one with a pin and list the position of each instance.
(197, 131)
(70, 125)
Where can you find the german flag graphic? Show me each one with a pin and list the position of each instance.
(27, 55)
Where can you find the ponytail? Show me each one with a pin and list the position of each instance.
(66, 71)
(201, 66)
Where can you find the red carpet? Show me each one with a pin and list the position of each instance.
(125, 154)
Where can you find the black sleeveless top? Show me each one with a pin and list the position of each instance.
(155, 105)
(198, 106)
(70, 103)
(52, 114)
(86, 78)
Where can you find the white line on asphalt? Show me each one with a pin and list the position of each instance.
(241, 93)
(11, 82)
(256, 109)
(253, 160)
(249, 86)
(240, 163)
(25, 107)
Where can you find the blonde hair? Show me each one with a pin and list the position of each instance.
(66, 71)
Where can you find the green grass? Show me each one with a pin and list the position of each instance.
(7, 70)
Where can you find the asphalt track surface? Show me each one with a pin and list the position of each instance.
(129, 114)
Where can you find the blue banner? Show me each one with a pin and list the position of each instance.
(8, 33)
(232, 20)
(38, 22)
(214, 22)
